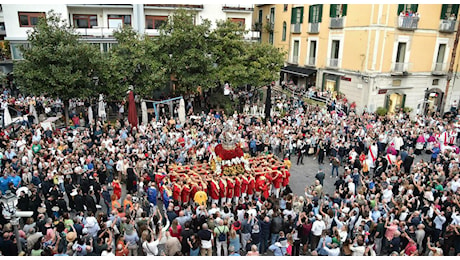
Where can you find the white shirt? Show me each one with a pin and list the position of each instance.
(317, 227)
(151, 249)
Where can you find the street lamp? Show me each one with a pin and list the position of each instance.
(9, 202)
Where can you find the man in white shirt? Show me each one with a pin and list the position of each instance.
(317, 230)
(150, 246)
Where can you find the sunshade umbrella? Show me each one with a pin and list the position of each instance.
(145, 117)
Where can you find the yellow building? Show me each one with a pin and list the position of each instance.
(378, 55)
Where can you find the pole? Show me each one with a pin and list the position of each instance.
(15, 224)
(268, 103)
(451, 66)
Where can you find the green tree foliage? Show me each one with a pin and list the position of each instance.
(262, 61)
(185, 50)
(133, 62)
(58, 64)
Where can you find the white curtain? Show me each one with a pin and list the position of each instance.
(145, 118)
(182, 111)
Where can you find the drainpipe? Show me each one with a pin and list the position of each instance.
(451, 67)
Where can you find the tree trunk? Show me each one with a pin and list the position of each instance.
(66, 112)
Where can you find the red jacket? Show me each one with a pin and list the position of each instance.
(286, 178)
(244, 184)
(230, 187)
(277, 179)
(237, 190)
(176, 192)
(185, 194)
(214, 189)
(251, 186)
(222, 188)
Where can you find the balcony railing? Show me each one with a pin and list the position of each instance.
(439, 68)
(296, 28)
(336, 23)
(252, 35)
(447, 26)
(333, 63)
(408, 22)
(294, 59)
(98, 32)
(311, 61)
(173, 6)
(237, 8)
(314, 28)
(400, 67)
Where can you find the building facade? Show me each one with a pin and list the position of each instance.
(378, 55)
(97, 22)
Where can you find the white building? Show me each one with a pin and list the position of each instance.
(96, 22)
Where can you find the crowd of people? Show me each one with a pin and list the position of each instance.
(158, 195)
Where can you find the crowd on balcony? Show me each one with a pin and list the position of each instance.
(386, 200)
(408, 19)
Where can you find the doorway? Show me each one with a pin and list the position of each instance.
(394, 102)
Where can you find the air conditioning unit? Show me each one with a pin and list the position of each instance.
(268, 17)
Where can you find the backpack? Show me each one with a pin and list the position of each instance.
(222, 237)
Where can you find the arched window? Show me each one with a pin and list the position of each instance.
(284, 31)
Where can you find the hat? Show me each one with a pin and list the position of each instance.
(55, 208)
(129, 229)
(71, 236)
(236, 225)
(41, 210)
(319, 217)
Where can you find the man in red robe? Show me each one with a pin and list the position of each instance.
(251, 186)
(185, 193)
(244, 185)
(176, 191)
(237, 190)
(223, 191)
(230, 187)
(285, 179)
(277, 180)
(214, 190)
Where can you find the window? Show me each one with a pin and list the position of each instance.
(285, 8)
(435, 82)
(272, 15)
(407, 8)
(441, 53)
(84, 20)
(312, 53)
(29, 19)
(16, 51)
(116, 21)
(260, 16)
(239, 21)
(271, 38)
(155, 22)
(297, 15)
(335, 49)
(449, 11)
(338, 10)
(401, 53)
(295, 52)
(315, 13)
(283, 37)
(396, 83)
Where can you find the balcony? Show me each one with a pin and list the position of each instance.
(314, 28)
(333, 63)
(407, 22)
(311, 61)
(400, 68)
(97, 32)
(336, 23)
(439, 68)
(447, 26)
(294, 60)
(237, 9)
(252, 36)
(296, 28)
(173, 6)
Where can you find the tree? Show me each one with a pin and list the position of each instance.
(58, 65)
(134, 62)
(262, 61)
(186, 52)
(229, 50)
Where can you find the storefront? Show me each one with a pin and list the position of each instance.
(394, 101)
(331, 83)
(433, 102)
(298, 76)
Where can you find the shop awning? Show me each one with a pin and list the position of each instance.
(298, 70)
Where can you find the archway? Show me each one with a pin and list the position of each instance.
(394, 102)
(433, 102)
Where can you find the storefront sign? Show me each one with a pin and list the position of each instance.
(345, 78)
(382, 91)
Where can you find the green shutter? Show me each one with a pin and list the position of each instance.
(443, 12)
(455, 10)
(344, 10)
(310, 14)
(293, 15)
(403, 103)
(400, 8)
(414, 8)
(333, 10)
(320, 16)
(301, 14)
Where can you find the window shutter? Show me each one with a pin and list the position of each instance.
(293, 15)
(310, 14)
(403, 103)
(320, 16)
(400, 8)
(301, 14)
(415, 8)
(455, 10)
(333, 10)
(443, 12)
(344, 10)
